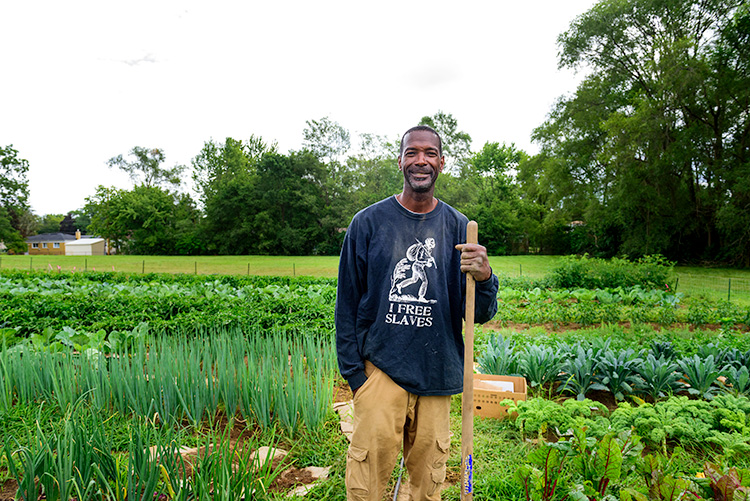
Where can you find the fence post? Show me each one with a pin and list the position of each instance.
(248, 269)
(31, 266)
(143, 267)
(85, 264)
(676, 283)
(729, 291)
(196, 267)
(294, 270)
(520, 270)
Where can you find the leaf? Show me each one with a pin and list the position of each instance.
(608, 461)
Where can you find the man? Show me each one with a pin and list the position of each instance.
(401, 352)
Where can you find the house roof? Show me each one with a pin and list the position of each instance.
(50, 237)
(84, 241)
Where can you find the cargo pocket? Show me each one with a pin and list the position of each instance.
(438, 464)
(357, 473)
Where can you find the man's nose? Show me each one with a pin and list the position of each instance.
(421, 158)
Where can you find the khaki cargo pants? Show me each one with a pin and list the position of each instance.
(385, 417)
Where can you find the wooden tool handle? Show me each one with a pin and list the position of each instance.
(467, 401)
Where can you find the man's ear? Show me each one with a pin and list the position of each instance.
(399, 162)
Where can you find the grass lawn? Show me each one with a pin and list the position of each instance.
(319, 266)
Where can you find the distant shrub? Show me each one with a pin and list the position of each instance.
(524, 283)
(650, 272)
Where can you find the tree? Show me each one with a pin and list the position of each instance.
(50, 223)
(103, 208)
(292, 216)
(145, 220)
(648, 146)
(374, 174)
(326, 139)
(9, 235)
(456, 144)
(497, 205)
(146, 168)
(14, 193)
(14, 187)
(218, 163)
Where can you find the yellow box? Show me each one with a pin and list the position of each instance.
(489, 392)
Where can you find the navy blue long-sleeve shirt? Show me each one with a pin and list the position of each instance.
(400, 298)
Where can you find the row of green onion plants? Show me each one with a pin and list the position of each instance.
(268, 378)
(79, 463)
(653, 373)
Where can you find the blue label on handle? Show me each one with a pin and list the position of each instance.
(468, 474)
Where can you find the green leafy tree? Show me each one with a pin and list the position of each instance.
(103, 209)
(292, 217)
(652, 145)
(145, 220)
(496, 203)
(14, 187)
(326, 139)
(10, 237)
(146, 167)
(373, 174)
(218, 163)
(456, 143)
(50, 223)
(14, 193)
(225, 176)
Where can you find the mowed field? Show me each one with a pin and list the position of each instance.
(716, 283)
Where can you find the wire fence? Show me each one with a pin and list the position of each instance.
(715, 287)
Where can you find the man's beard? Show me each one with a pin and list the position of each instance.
(423, 186)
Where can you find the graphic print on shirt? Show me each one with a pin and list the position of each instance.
(409, 281)
(409, 284)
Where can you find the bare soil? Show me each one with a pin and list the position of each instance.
(8, 490)
(290, 479)
(342, 393)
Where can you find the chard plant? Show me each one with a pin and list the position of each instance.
(544, 478)
(659, 377)
(596, 465)
(661, 486)
(732, 484)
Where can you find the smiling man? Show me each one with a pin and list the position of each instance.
(399, 309)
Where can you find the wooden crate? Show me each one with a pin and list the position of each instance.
(488, 394)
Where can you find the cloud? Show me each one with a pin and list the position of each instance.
(148, 58)
(432, 76)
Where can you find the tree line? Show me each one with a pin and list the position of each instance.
(650, 155)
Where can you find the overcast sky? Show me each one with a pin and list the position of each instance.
(85, 81)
